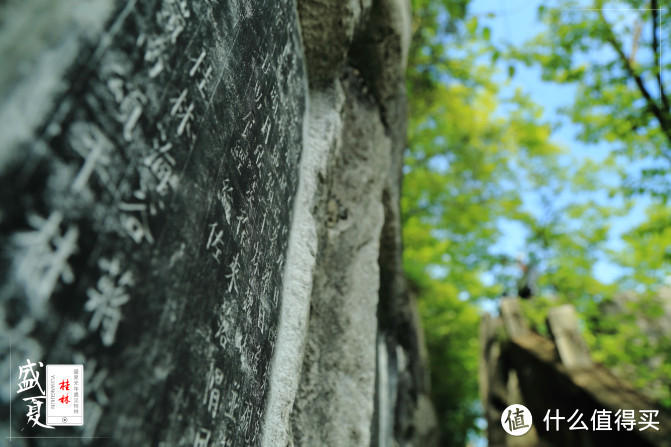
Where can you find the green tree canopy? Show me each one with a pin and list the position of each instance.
(479, 153)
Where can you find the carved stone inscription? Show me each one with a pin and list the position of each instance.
(147, 226)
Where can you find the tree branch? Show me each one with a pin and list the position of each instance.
(655, 47)
(634, 43)
(661, 116)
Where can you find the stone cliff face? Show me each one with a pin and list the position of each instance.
(204, 213)
(362, 380)
(555, 374)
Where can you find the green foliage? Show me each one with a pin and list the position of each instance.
(479, 154)
(464, 170)
(441, 208)
(648, 250)
(612, 57)
(450, 328)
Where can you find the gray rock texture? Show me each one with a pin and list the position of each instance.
(334, 405)
(363, 380)
(518, 366)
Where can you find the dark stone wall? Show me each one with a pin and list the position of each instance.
(145, 223)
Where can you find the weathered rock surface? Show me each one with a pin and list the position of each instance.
(558, 378)
(200, 205)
